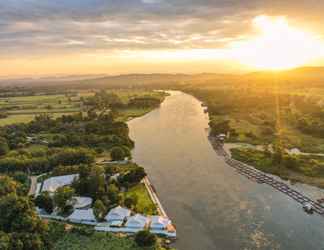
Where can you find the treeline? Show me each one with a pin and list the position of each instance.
(262, 108)
(46, 161)
(103, 100)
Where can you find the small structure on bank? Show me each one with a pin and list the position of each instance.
(159, 222)
(221, 137)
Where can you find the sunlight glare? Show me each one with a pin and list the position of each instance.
(278, 45)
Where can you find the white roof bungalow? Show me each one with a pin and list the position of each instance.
(117, 215)
(137, 222)
(53, 183)
(81, 202)
(159, 222)
(83, 217)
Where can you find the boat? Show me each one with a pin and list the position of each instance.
(308, 208)
(320, 200)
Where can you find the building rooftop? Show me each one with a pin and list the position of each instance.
(53, 183)
(83, 215)
(137, 221)
(81, 202)
(118, 214)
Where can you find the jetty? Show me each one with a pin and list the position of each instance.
(262, 178)
(154, 197)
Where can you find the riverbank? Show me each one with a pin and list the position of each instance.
(293, 168)
(303, 169)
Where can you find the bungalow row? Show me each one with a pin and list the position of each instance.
(119, 219)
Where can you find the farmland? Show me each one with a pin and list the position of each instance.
(23, 108)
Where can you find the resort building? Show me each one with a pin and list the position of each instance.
(137, 222)
(117, 216)
(53, 183)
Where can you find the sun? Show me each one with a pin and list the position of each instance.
(277, 45)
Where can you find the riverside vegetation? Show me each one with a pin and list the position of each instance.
(275, 115)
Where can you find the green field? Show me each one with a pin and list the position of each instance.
(23, 109)
(98, 241)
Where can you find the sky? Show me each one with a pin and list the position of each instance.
(45, 37)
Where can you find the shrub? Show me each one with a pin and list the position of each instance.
(117, 154)
(45, 201)
(145, 238)
(85, 231)
(99, 210)
(129, 202)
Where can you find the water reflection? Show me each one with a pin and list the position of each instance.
(212, 206)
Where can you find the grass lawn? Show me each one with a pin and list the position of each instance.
(144, 202)
(98, 241)
(16, 119)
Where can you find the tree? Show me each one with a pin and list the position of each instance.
(117, 154)
(277, 154)
(20, 226)
(72, 156)
(133, 176)
(4, 148)
(61, 197)
(130, 201)
(4, 241)
(99, 210)
(91, 181)
(291, 162)
(8, 186)
(45, 201)
(145, 239)
(113, 193)
(220, 126)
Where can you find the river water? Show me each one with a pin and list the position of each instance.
(212, 206)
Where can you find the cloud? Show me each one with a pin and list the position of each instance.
(151, 1)
(83, 26)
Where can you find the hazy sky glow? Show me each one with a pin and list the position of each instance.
(126, 36)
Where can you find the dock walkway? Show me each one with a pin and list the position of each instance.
(154, 197)
(261, 178)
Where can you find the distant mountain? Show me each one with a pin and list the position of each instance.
(303, 76)
(313, 76)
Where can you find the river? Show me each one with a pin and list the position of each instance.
(213, 206)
